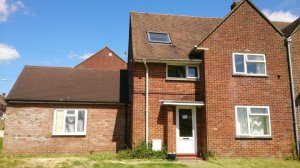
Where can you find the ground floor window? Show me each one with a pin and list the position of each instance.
(253, 121)
(69, 122)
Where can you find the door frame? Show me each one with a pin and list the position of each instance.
(193, 108)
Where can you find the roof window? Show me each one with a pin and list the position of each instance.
(155, 37)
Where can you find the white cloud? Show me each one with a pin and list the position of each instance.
(281, 16)
(7, 8)
(8, 53)
(83, 56)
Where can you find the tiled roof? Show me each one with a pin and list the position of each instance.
(69, 85)
(185, 33)
(291, 28)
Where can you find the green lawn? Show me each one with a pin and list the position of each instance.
(109, 160)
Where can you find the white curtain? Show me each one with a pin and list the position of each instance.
(242, 125)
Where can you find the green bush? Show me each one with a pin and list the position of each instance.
(142, 152)
(209, 155)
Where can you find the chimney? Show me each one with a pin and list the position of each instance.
(235, 2)
(3, 94)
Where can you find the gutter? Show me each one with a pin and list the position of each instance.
(63, 102)
(146, 101)
(288, 42)
(163, 61)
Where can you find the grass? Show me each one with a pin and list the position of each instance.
(110, 160)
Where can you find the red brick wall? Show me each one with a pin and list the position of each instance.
(101, 60)
(295, 49)
(28, 130)
(160, 119)
(247, 32)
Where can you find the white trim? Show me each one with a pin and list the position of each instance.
(245, 55)
(64, 119)
(155, 41)
(186, 71)
(249, 135)
(177, 103)
(193, 108)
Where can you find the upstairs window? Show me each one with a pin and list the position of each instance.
(182, 71)
(69, 122)
(155, 37)
(253, 121)
(249, 64)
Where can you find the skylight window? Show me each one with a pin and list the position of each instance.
(155, 37)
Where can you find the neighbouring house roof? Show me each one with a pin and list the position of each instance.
(105, 59)
(58, 84)
(291, 28)
(185, 32)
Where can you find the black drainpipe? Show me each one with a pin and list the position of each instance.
(288, 42)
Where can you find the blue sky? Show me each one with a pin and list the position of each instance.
(62, 32)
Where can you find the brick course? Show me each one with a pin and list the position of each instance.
(28, 130)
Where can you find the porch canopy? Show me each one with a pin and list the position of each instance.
(182, 103)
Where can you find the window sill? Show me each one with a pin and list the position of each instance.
(252, 137)
(249, 75)
(68, 134)
(182, 79)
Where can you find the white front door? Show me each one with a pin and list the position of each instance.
(186, 136)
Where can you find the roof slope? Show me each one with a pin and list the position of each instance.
(105, 59)
(291, 28)
(185, 33)
(69, 85)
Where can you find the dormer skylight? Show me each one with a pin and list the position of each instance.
(157, 37)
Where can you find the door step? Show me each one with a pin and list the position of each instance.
(188, 157)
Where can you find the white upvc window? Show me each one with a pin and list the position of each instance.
(182, 72)
(69, 122)
(249, 64)
(253, 121)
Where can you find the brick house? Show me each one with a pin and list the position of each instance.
(212, 84)
(105, 59)
(196, 84)
(68, 110)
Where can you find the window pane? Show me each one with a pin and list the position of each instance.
(255, 57)
(80, 122)
(185, 123)
(71, 112)
(70, 124)
(242, 125)
(259, 110)
(256, 68)
(176, 71)
(159, 37)
(193, 72)
(59, 121)
(239, 63)
(259, 125)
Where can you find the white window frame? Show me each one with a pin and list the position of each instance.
(186, 72)
(248, 120)
(249, 61)
(64, 120)
(155, 41)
